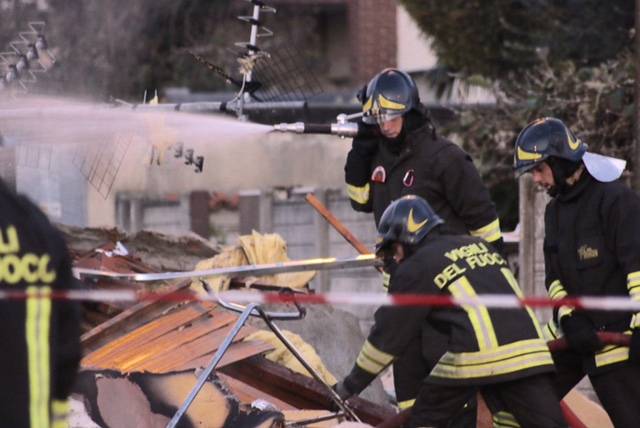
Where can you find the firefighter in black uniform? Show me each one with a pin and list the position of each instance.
(591, 247)
(500, 353)
(41, 334)
(409, 158)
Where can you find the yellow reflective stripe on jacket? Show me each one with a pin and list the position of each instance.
(478, 315)
(407, 404)
(635, 321)
(506, 272)
(373, 360)
(557, 292)
(386, 278)
(513, 357)
(490, 232)
(37, 325)
(612, 354)
(633, 286)
(503, 419)
(60, 413)
(358, 194)
(550, 331)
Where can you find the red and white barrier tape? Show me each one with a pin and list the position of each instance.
(504, 301)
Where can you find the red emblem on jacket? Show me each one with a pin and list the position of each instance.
(409, 178)
(379, 175)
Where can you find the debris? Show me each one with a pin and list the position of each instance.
(253, 249)
(280, 354)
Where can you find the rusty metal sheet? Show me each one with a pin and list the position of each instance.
(130, 357)
(238, 351)
(166, 362)
(146, 333)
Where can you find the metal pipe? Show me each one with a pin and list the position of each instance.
(212, 365)
(336, 398)
(347, 129)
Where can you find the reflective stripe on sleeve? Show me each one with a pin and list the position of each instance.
(406, 404)
(633, 286)
(504, 419)
(60, 413)
(373, 360)
(358, 194)
(490, 232)
(557, 292)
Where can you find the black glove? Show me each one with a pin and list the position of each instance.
(341, 389)
(361, 95)
(580, 334)
(634, 347)
(365, 146)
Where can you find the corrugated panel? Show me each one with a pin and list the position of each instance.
(145, 334)
(162, 362)
(183, 339)
(134, 358)
(239, 351)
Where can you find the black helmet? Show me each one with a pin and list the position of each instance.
(391, 93)
(407, 221)
(544, 138)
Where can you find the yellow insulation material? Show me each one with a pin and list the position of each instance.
(253, 249)
(281, 354)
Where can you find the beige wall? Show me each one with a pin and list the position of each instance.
(230, 165)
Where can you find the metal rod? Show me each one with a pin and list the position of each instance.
(237, 271)
(336, 398)
(212, 365)
(314, 420)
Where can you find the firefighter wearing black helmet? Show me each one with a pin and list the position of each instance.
(500, 353)
(591, 248)
(409, 158)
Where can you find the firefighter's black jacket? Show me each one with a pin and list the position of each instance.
(485, 345)
(40, 335)
(428, 166)
(592, 248)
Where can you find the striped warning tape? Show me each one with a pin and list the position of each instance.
(504, 301)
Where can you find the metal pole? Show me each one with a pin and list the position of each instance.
(212, 365)
(274, 328)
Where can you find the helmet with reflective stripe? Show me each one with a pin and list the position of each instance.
(407, 221)
(390, 94)
(544, 138)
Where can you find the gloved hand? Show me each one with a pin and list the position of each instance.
(634, 347)
(580, 334)
(365, 146)
(341, 389)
